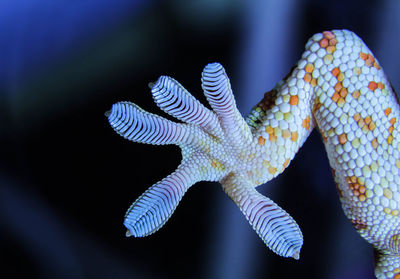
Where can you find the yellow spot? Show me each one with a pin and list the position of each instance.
(286, 98)
(295, 136)
(361, 198)
(217, 165)
(286, 163)
(340, 77)
(372, 126)
(330, 49)
(272, 170)
(366, 171)
(265, 163)
(369, 193)
(357, 117)
(356, 143)
(288, 116)
(395, 212)
(398, 163)
(387, 210)
(390, 139)
(356, 94)
(261, 141)
(269, 130)
(286, 133)
(374, 166)
(313, 82)
(388, 193)
(357, 71)
(328, 58)
(374, 143)
(341, 102)
(277, 131)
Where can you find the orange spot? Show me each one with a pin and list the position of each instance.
(372, 85)
(323, 43)
(396, 276)
(391, 128)
(306, 123)
(286, 163)
(261, 141)
(388, 111)
(361, 189)
(363, 56)
(367, 120)
(272, 138)
(213, 164)
(357, 116)
(335, 71)
(335, 97)
(361, 198)
(356, 94)
(332, 42)
(376, 65)
(381, 85)
(269, 130)
(338, 86)
(393, 120)
(342, 138)
(343, 92)
(328, 34)
(307, 77)
(369, 62)
(272, 170)
(294, 100)
(309, 68)
(295, 136)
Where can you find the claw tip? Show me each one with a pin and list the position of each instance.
(296, 254)
(128, 233)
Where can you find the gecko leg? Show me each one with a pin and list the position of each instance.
(217, 145)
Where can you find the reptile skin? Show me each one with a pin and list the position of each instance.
(337, 86)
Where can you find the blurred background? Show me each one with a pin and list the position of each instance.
(66, 179)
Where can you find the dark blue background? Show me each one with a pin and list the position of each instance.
(66, 178)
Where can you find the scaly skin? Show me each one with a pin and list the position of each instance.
(337, 86)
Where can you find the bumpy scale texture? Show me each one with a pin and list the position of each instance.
(337, 86)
